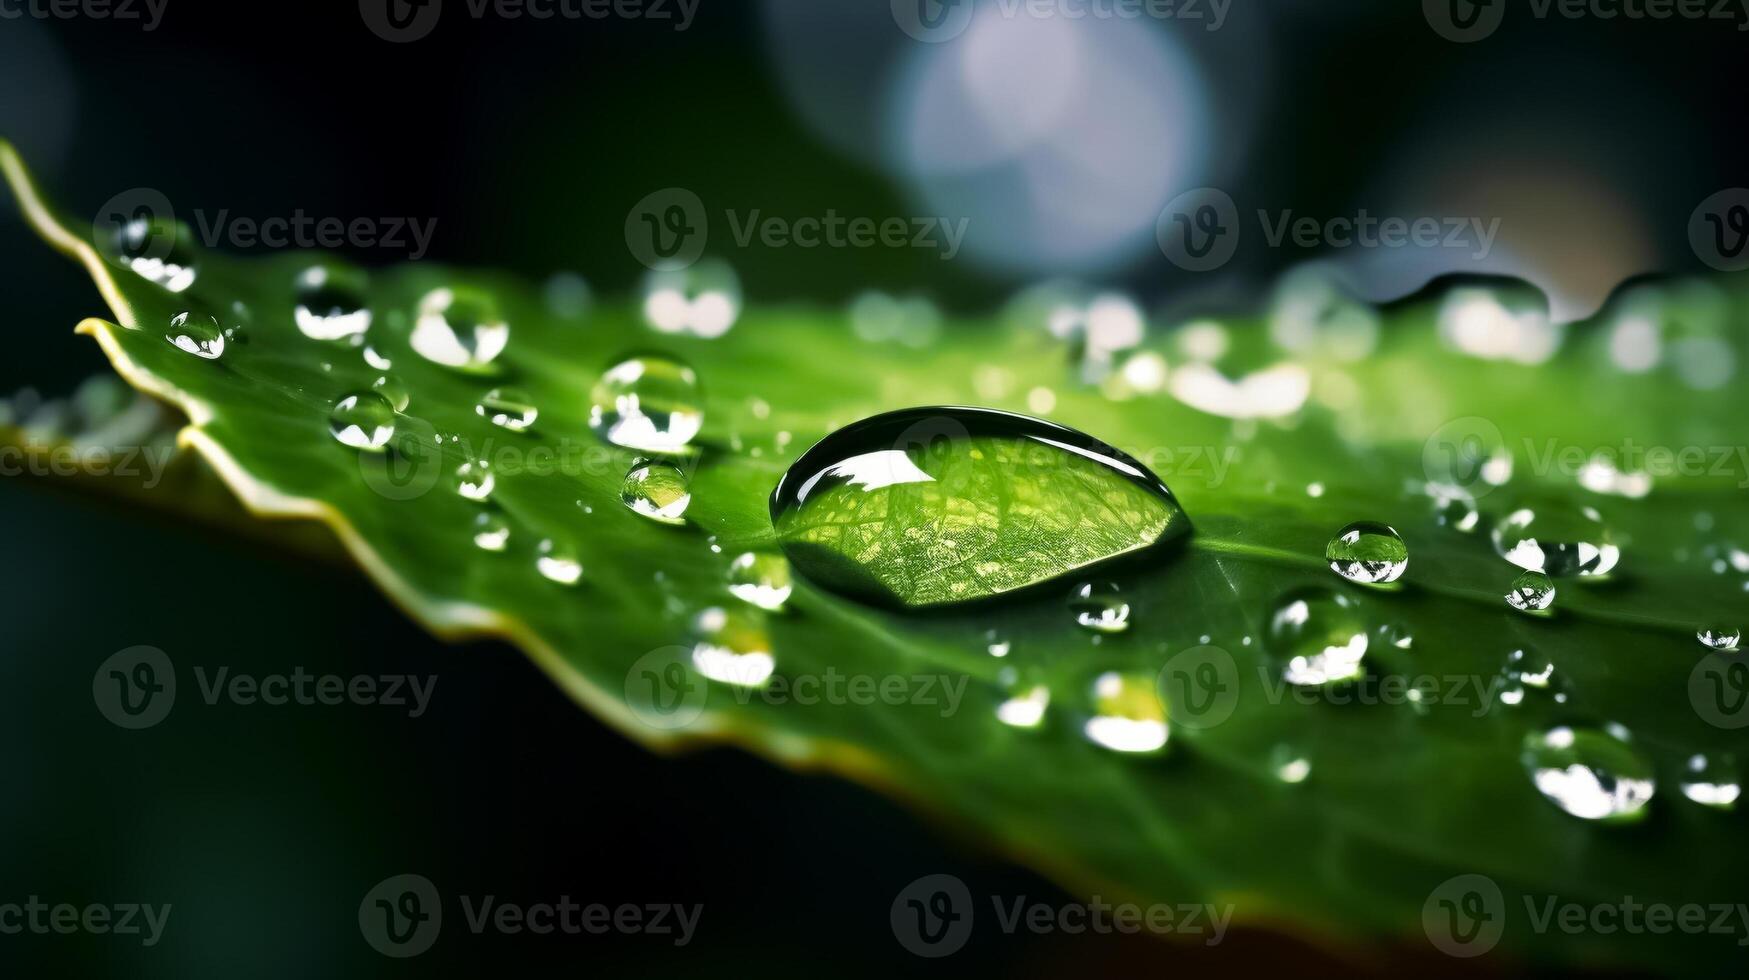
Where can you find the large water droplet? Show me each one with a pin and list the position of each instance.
(1320, 635)
(364, 420)
(1556, 538)
(1026, 703)
(198, 335)
(1712, 779)
(557, 561)
(1720, 637)
(1100, 607)
(760, 578)
(1531, 592)
(936, 505)
(330, 304)
(658, 491)
(650, 403)
(508, 408)
(1368, 552)
(459, 328)
(733, 647)
(1592, 773)
(1127, 714)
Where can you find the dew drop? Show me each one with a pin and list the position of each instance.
(1561, 540)
(491, 531)
(557, 562)
(1528, 674)
(1531, 592)
(1453, 508)
(376, 359)
(1127, 714)
(474, 480)
(330, 304)
(1591, 773)
(1720, 637)
(1368, 552)
(1712, 780)
(1026, 703)
(393, 389)
(1289, 766)
(703, 299)
(156, 250)
(658, 491)
(364, 420)
(649, 403)
(1320, 636)
(997, 644)
(198, 335)
(508, 408)
(760, 578)
(459, 328)
(1100, 607)
(932, 506)
(733, 647)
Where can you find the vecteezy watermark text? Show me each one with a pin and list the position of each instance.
(1468, 915)
(147, 13)
(935, 915)
(403, 21)
(669, 229)
(41, 918)
(936, 21)
(145, 218)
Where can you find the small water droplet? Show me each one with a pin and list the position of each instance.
(997, 644)
(557, 562)
(474, 480)
(491, 531)
(330, 304)
(157, 251)
(1453, 508)
(760, 578)
(459, 328)
(375, 359)
(703, 299)
(1100, 607)
(1528, 673)
(1368, 552)
(1289, 766)
(649, 403)
(1591, 773)
(1531, 592)
(1712, 779)
(1720, 637)
(392, 388)
(1127, 714)
(196, 334)
(733, 647)
(1320, 636)
(1559, 539)
(508, 408)
(364, 420)
(658, 491)
(1026, 704)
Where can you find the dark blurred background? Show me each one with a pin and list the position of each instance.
(528, 141)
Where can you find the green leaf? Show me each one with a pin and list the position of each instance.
(1399, 799)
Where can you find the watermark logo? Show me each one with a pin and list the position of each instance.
(933, 21)
(403, 21)
(663, 691)
(1718, 688)
(402, 916)
(1718, 230)
(932, 916)
(139, 223)
(1464, 21)
(1201, 685)
(667, 229)
(400, 21)
(135, 688)
(411, 464)
(1199, 229)
(1465, 916)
